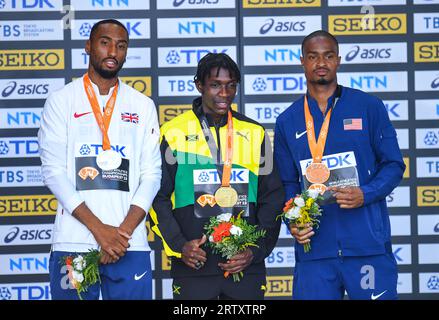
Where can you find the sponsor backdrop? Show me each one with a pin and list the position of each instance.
(388, 48)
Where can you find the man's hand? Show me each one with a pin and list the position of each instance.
(301, 232)
(238, 262)
(112, 241)
(192, 254)
(106, 258)
(348, 197)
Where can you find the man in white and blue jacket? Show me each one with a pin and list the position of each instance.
(351, 249)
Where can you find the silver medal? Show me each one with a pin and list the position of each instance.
(108, 160)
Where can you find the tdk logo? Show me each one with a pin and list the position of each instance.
(95, 149)
(433, 283)
(333, 161)
(196, 27)
(212, 176)
(25, 291)
(27, 4)
(278, 84)
(282, 26)
(381, 53)
(133, 29)
(189, 56)
(18, 147)
(431, 139)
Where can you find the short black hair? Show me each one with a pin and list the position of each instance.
(216, 60)
(319, 33)
(112, 21)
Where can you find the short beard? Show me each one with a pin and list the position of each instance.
(107, 74)
(323, 81)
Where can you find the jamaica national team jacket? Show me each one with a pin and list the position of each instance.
(361, 139)
(185, 200)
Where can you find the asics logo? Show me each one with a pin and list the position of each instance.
(298, 135)
(374, 297)
(78, 115)
(137, 278)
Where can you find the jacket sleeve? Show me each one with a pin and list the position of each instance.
(269, 203)
(390, 165)
(150, 163)
(162, 215)
(284, 160)
(52, 139)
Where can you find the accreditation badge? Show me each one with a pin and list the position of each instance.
(212, 199)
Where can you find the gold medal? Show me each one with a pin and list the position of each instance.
(321, 188)
(226, 197)
(317, 172)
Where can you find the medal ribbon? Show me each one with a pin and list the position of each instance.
(318, 147)
(227, 168)
(102, 120)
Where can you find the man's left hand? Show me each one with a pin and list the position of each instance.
(238, 262)
(348, 197)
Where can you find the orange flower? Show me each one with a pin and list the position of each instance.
(69, 260)
(221, 231)
(288, 205)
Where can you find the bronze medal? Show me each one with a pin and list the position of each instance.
(226, 197)
(319, 187)
(317, 172)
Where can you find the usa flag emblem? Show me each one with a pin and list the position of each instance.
(129, 117)
(353, 124)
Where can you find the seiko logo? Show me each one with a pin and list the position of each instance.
(368, 53)
(374, 23)
(23, 59)
(282, 26)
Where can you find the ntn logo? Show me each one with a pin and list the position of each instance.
(29, 264)
(368, 82)
(197, 27)
(23, 117)
(282, 54)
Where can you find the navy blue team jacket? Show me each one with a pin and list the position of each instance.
(371, 143)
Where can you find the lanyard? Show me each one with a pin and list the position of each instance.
(317, 147)
(102, 120)
(226, 170)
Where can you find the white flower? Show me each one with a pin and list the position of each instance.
(298, 201)
(79, 263)
(293, 213)
(211, 238)
(77, 276)
(236, 231)
(224, 217)
(313, 193)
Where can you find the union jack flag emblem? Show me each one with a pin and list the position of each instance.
(130, 117)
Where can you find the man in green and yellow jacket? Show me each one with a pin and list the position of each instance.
(197, 147)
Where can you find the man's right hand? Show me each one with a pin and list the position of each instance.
(192, 253)
(301, 232)
(112, 241)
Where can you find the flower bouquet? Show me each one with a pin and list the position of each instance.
(229, 235)
(302, 210)
(83, 269)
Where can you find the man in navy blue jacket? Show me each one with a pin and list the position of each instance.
(340, 141)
